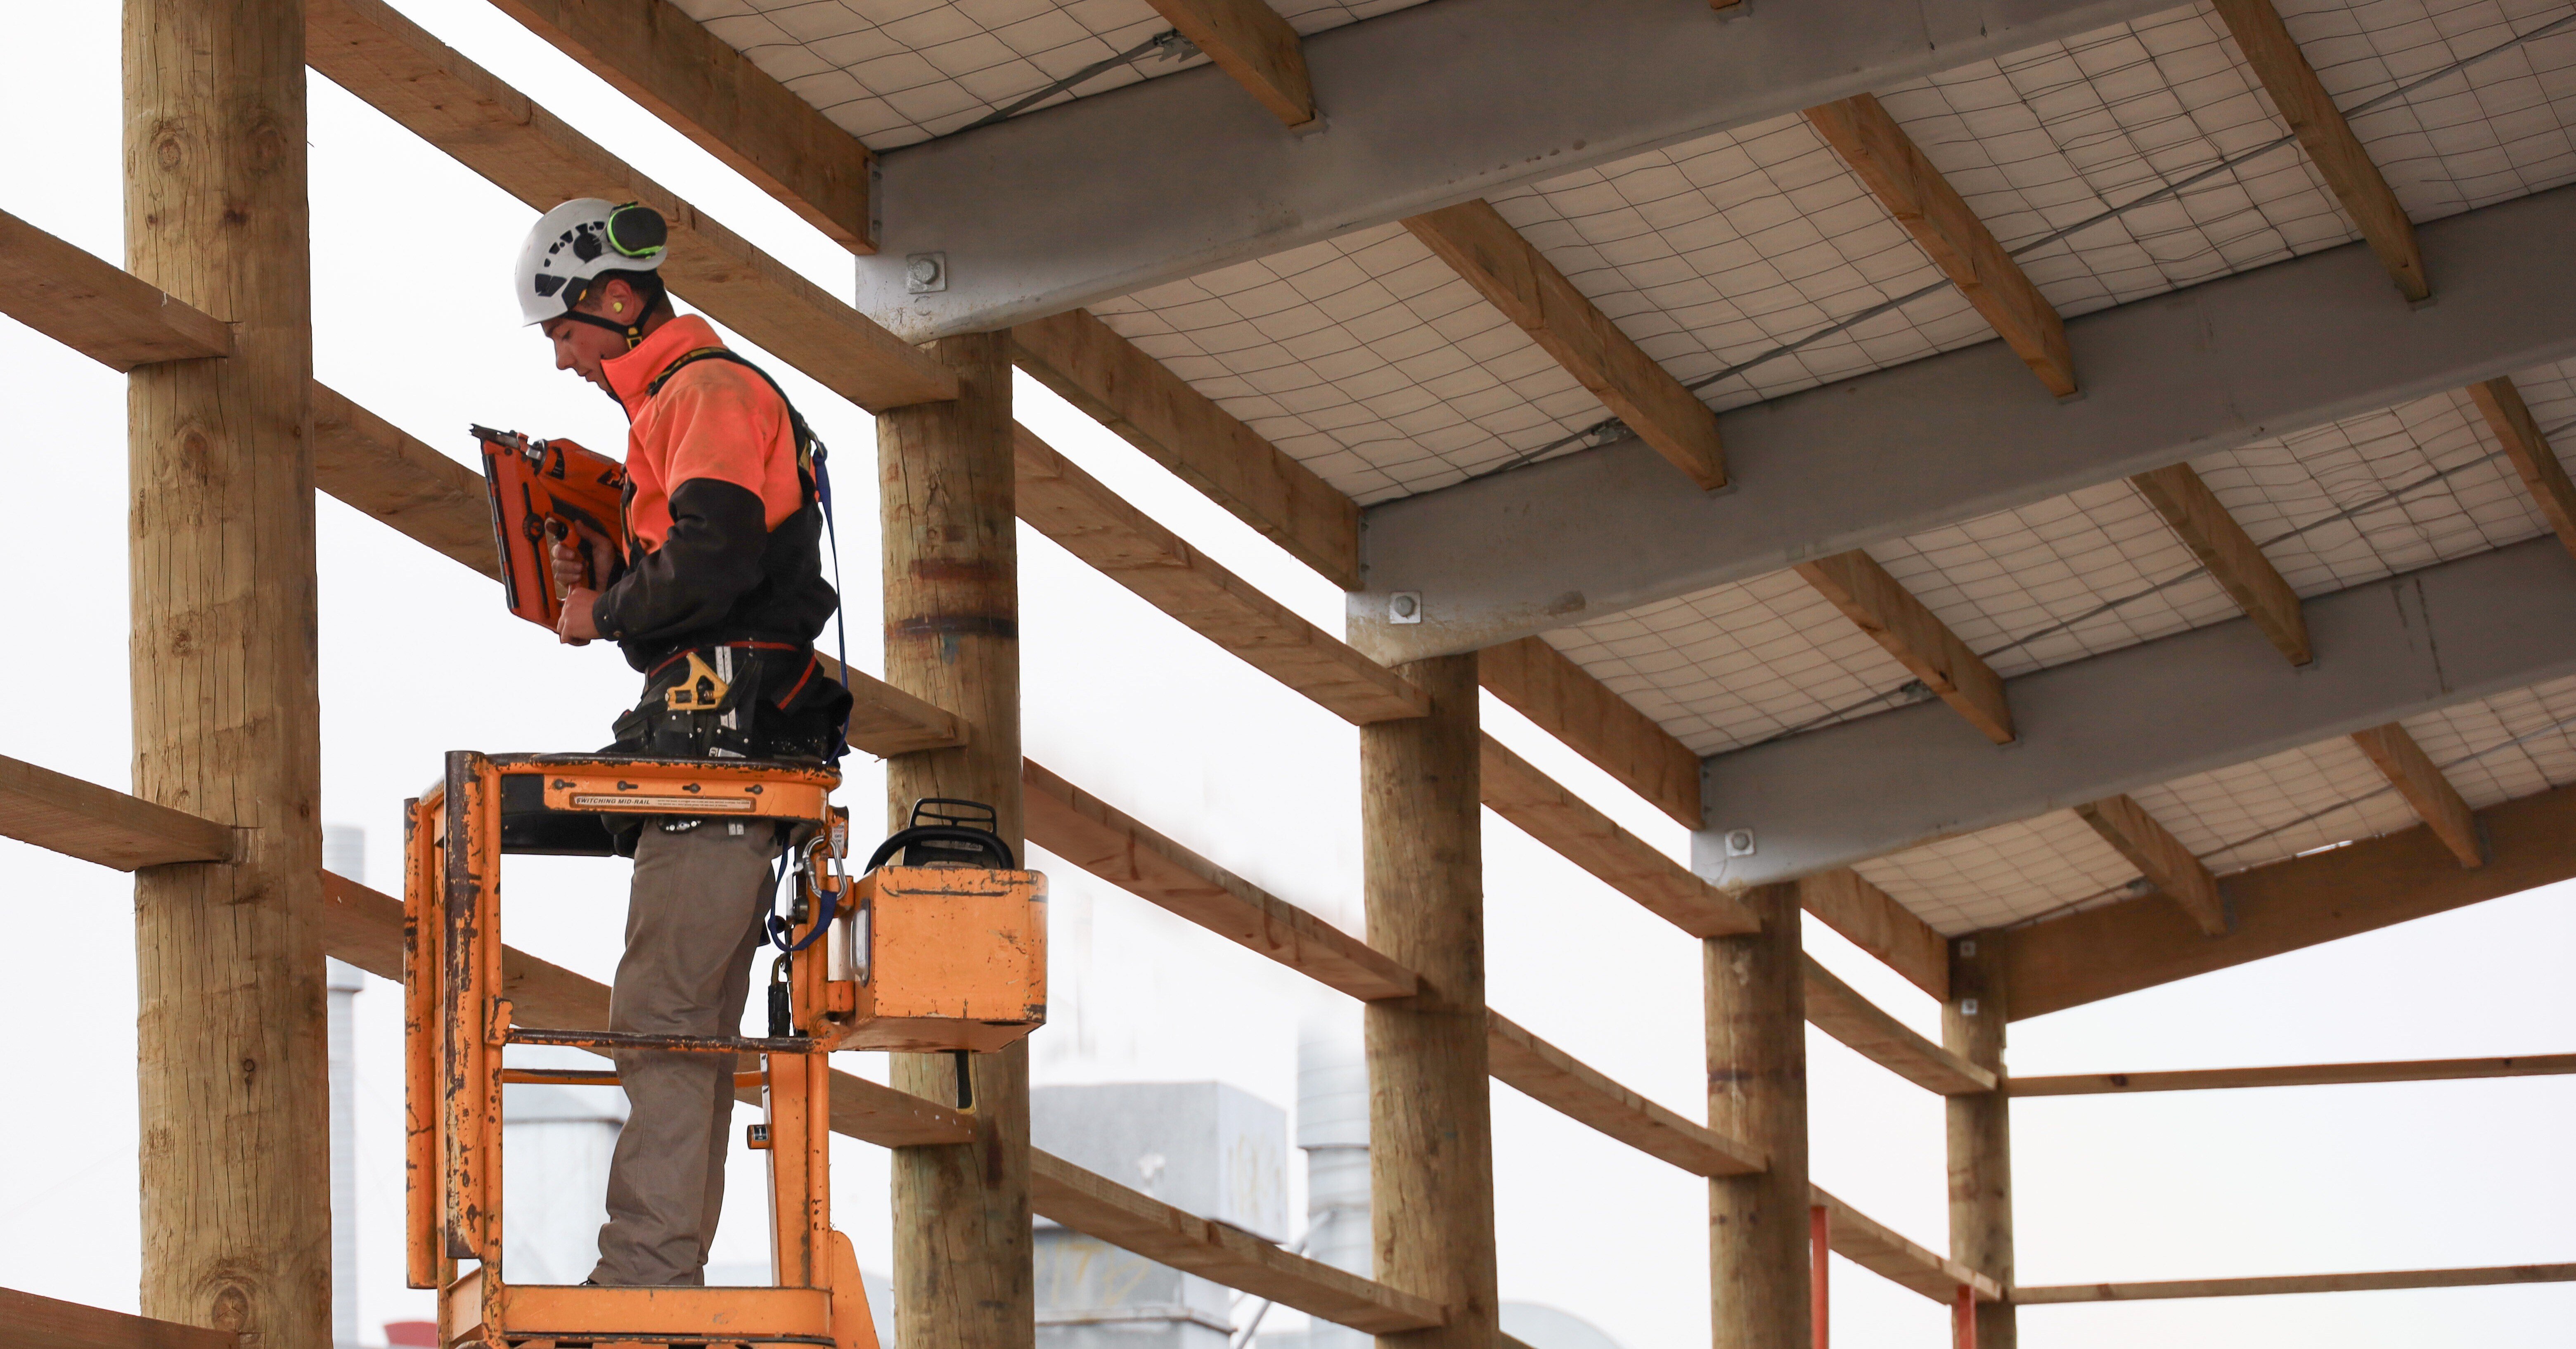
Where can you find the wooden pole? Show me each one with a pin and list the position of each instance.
(230, 1021)
(1757, 1091)
(962, 1250)
(1431, 1161)
(1981, 1231)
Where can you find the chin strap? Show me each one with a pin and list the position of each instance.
(632, 332)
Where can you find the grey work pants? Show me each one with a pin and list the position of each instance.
(692, 925)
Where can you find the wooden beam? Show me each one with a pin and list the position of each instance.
(1093, 1205)
(655, 54)
(1841, 1012)
(1584, 836)
(963, 1249)
(231, 1069)
(1431, 1152)
(2223, 546)
(1757, 1091)
(365, 928)
(1912, 190)
(97, 308)
(1091, 834)
(43, 1323)
(1248, 40)
(2289, 905)
(1919, 640)
(2501, 404)
(1880, 1250)
(2160, 857)
(2435, 801)
(1517, 279)
(371, 464)
(2294, 1075)
(1095, 524)
(2328, 139)
(2375, 1281)
(1537, 681)
(1978, 1139)
(1156, 411)
(100, 824)
(1844, 900)
(390, 63)
(1558, 1080)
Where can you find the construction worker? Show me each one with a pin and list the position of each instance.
(718, 602)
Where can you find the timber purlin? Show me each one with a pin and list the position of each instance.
(33, 1322)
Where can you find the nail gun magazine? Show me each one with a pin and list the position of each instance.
(544, 490)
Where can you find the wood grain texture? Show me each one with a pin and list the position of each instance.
(2223, 546)
(1580, 1092)
(1517, 279)
(1093, 1205)
(1841, 1012)
(1918, 639)
(654, 53)
(1931, 210)
(100, 824)
(1844, 900)
(1249, 41)
(1431, 1160)
(1095, 369)
(1099, 838)
(2294, 1075)
(1879, 1249)
(1536, 805)
(2488, 1276)
(1979, 1129)
(96, 308)
(1563, 699)
(1757, 1091)
(963, 1264)
(2285, 906)
(2337, 153)
(2160, 857)
(34, 1322)
(2432, 797)
(371, 464)
(233, 1098)
(1095, 524)
(2542, 472)
(364, 928)
(367, 48)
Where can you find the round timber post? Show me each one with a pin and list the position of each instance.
(1757, 1091)
(962, 1244)
(1981, 1224)
(1431, 1157)
(231, 1020)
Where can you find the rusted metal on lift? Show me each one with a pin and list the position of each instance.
(941, 956)
(1820, 1240)
(1963, 1319)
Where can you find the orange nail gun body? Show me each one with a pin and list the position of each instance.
(544, 490)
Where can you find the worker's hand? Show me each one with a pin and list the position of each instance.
(578, 626)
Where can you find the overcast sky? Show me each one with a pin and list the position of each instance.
(417, 657)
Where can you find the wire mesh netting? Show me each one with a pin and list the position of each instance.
(894, 72)
(2504, 747)
(2001, 875)
(2277, 806)
(1364, 357)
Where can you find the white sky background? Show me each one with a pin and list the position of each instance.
(418, 658)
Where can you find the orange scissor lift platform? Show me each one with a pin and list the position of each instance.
(945, 956)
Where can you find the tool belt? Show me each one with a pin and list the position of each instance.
(737, 700)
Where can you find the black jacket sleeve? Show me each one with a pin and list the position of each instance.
(711, 556)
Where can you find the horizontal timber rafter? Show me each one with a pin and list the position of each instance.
(2538, 464)
(2292, 1075)
(1840, 1011)
(2375, 1280)
(1249, 41)
(2430, 795)
(47, 1323)
(1857, 585)
(1871, 919)
(97, 308)
(2222, 545)
(1879, 1249)
(2361, 887)
(99, 824)
(1534, 803)
(367, 48)
(1563, 699)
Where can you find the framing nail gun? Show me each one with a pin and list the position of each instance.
(544, 490)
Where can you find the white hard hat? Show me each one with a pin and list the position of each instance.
(575, 242)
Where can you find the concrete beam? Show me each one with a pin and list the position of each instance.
(1962, 434)
(2183, 704)
(1424, 108)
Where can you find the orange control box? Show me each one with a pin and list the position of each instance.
(939, 958)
